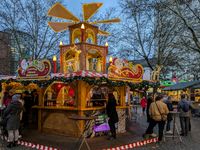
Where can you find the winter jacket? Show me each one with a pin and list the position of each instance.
(170, 108)
(143, 102)
(180, 106)
(8, 100)
(155, 113)
(13, 112)
(149, 101)
(165, 98)
(111, 111)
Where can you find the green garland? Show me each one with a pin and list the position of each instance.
(143, 85)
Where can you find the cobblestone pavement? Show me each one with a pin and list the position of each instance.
(191, 142)
(3, 146)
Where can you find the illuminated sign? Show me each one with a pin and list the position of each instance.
(34, 70)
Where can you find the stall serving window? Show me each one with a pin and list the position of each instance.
(98, 96)
(59, 94)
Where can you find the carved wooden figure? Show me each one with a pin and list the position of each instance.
(155, 74)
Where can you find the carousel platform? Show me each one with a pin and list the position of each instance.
(133, 135)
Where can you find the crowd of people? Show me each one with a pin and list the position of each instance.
(158, 109)
(17, 113)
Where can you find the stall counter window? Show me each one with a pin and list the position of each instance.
(59, 94)
(98, 96)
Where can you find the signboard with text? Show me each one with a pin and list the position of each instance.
(34, 70)
(101, 124)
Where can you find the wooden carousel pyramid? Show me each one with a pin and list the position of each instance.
(83, 39)
(89, 10)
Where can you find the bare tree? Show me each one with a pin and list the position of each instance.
(27, 20)
(109, 13)
(147, 33)
(188, 12)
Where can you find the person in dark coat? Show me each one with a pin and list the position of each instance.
(169, 116)
(27, 106)
(112, 115)
(149, 101)
(9, 97)
(12, 112)
(190, 113)
(184, 116)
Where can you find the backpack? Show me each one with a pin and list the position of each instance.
(185, 107)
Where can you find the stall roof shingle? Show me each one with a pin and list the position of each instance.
(181, 86)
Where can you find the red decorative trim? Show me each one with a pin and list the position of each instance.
(137, 144)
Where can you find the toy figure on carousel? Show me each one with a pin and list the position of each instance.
(23, 65)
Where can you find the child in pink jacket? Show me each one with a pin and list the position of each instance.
(143, 103)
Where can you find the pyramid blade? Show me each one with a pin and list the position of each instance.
(59, 11)
(90, 9)
(59, 26)
(115, 20)
(101, 32)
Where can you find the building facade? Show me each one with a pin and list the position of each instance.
(5, 53)
(20, 47)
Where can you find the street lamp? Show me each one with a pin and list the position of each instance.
(54, 64)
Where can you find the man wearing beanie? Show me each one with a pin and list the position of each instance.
(12, 112)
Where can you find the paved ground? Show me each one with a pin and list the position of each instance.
(134, 134)
(191, 142)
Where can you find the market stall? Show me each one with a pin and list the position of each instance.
(181, 88)
(82, 86)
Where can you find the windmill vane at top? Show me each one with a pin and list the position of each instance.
(89, 10)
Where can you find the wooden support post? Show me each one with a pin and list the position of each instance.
(189, 93)
(81, 101)
(40, 103)
(122, 95)
(129, 102)
(178, 95)
(2, 92)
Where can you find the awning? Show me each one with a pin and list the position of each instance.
(81, 73)
(196, 86)
(181, 86)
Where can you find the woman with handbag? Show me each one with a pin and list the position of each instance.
(158, 112)
(13, 123)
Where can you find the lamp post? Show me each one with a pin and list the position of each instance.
(110, 61)
(82, 32)
(106, 44)
(54, 64)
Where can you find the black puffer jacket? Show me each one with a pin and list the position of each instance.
(149, 101)
(170, 107)
(13, 113)
(111, 112)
